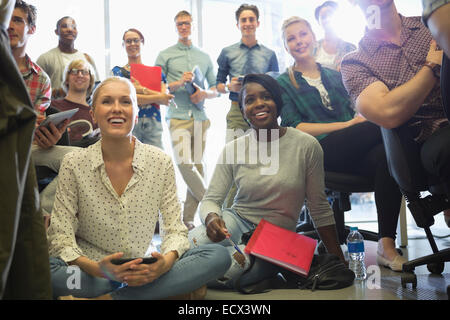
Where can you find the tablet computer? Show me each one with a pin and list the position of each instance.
(57, 118)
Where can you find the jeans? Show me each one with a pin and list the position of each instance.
(194, 269)
(50, 157)
(435, 154)
(236, 226)
(149, 131)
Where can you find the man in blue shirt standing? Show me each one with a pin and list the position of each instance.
(187, 68)
(246, 56)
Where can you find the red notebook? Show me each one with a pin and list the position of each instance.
(282, 247)
(149, 77)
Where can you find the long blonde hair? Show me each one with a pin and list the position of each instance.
(284, 26)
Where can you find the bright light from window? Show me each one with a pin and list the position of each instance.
(349, 23)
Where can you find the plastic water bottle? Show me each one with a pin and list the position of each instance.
(355, 245)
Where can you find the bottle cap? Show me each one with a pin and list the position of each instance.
(353, 228)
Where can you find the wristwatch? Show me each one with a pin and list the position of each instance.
(435, 68)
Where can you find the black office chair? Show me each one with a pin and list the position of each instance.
(339, 187)
(405, 166)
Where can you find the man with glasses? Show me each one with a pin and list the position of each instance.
(235, 61)
(55, 61)
(78, 83)
(187, 68)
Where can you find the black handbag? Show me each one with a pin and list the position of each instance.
(327, 272)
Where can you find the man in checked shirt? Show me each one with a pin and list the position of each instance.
(44, 151)
(21, 27)
(394, 77)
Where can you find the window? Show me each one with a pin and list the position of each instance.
(89, 16)
(153, 18)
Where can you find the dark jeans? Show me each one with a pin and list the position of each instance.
(435, 154)
(359, 150)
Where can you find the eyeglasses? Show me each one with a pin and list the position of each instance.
(68, 26)
(75, 72)
(133, 41)
(183, 23)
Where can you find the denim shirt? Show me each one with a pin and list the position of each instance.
(239, 60)
(176, 60)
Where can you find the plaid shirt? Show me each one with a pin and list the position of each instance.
(305, 104)
(38, 85)
(394, 65)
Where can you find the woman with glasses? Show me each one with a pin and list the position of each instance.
(315, 101)
(149, 128)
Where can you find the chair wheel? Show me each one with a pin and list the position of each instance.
(409, 278)
(436, 268)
